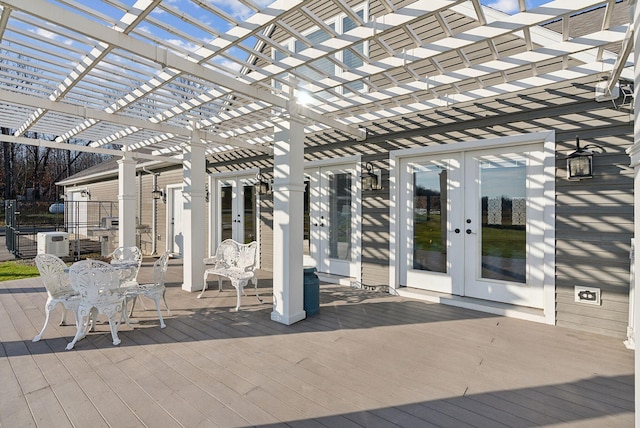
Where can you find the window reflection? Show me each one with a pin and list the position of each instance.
(430, 219)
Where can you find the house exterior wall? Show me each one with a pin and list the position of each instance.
(594, 217)
(105, 188)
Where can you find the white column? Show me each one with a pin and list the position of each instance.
(194, 175)
(288, 213)
(127, 201)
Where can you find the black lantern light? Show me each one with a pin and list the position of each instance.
(371, 179)
(263, 185)
(158, 194)
(580, 162)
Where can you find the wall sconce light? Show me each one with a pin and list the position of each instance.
(580, 162)
(264, 187)
(371, 179)
(206, 193)
(159, 194)
(85, 193)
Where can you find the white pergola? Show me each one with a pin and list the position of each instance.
(177, 81)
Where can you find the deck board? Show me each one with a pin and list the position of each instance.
(367, 359)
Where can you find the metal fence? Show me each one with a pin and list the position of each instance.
(90, 225)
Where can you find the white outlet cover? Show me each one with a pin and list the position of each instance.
(578, 291)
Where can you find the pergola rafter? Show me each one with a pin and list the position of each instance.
(140, 80)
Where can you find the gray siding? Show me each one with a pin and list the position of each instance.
(594, 217)
(266, 233)
(375, 229)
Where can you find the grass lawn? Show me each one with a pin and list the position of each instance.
(17, 270)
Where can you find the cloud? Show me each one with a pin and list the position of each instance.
(506, 6)
(46, 34)
(235, 8)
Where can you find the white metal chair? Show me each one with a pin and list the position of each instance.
(235, 261)
(155, 290)
(129, 260)
(59, 290)
(98, 285)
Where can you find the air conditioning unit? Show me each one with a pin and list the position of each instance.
(110, 222)
(56, 243)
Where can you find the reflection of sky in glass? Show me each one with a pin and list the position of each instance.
(429, 180)
(428, 177)
(503, 179)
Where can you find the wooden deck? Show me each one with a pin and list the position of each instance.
(367, 359)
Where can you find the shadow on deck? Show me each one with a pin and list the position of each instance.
(367, 359)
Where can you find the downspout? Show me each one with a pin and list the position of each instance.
(154, 213)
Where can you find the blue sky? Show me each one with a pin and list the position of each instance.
(511, 6)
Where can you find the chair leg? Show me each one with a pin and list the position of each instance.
(164, 297)
(135, 298)
(63, 321)
(255, 283)
(82, 325)
(156, 299)
(113, 326)
(204, 285)
(238, 292)
(124, 316)
(47, 309)
(239, 286)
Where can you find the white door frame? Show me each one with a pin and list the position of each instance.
(78, 195)
(354, 268)
(215, 235)
(171, 204)
(548, 260)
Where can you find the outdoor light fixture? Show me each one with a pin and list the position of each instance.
(158, 194)
(86, 193)
(371, 179)
(263, 185)
(580, 162)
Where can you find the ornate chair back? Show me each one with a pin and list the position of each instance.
(59, 290)
(130, 256)
(234, 255)
(51, 269)
(98, 284)
(160, 270)
(95, 281)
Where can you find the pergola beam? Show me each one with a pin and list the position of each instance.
(57, 15)
(99, 115)
(79, 148)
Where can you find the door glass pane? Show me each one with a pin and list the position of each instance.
(503, 234)
(340, 216)
(226, 211)
(249, 213)
(430, 219)
(307, 221)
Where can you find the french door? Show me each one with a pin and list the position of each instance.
(473, 224)
(175, 206)
(332, 219)
(236, 209)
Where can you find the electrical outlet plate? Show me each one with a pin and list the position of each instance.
(588, 295)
